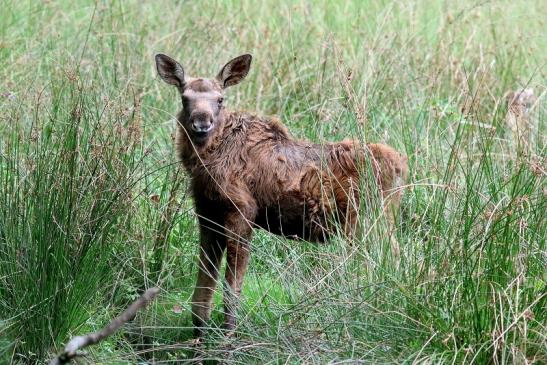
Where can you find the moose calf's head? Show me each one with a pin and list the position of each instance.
(202, 99)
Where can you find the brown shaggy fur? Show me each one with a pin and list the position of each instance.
(250, 172)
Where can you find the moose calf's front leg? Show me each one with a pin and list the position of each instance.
(211, 250)
(236, 266)
(238, 232)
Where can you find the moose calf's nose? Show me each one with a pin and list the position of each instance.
(200, 126)
(201, 123)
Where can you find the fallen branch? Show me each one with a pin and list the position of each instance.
(73, 347)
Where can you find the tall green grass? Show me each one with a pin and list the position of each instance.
(93, 207)
(66, 177)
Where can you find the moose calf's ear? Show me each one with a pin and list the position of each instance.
(170, 70)
(234, 71)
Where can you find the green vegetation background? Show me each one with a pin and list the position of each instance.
(93, 207)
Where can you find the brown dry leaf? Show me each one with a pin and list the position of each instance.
(155, 198)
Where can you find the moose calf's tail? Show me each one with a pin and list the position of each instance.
(391, 169)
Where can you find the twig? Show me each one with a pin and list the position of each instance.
(79, 342)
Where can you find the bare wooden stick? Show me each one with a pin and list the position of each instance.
(77, 343)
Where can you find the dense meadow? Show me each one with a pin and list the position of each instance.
(94, 207)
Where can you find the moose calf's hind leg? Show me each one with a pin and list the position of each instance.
(209, 261)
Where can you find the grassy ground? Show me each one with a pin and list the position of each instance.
(93, 207)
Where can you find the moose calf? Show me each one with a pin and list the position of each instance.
(247, 171)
